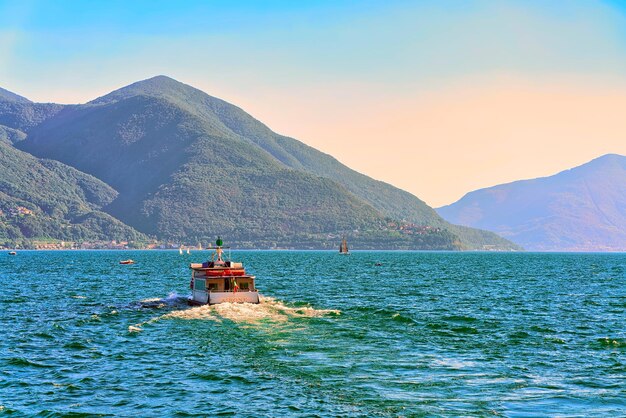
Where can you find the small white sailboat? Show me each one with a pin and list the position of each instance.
(180, 250)
(187, 250)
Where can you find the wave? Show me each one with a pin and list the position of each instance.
(465, 330)
(607, 342)
(135, 328)
(450, 363)
(21, 361)
(76, 345)
(459, 318)
(173, 300)
(402, 319)
(269, 310)
(7, 411)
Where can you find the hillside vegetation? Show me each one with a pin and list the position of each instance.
(45, 199)
(188, 166)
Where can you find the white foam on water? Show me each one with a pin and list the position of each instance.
(268, 310)
(171, 297)
(198, 312)
(134, 328)
(151, 300)
(138, 327)
(171, 300)
(453, 364)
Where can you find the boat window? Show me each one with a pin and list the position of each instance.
(200, 285)
(213, 286)
(244, 286)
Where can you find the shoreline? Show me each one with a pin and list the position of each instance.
(326, 250)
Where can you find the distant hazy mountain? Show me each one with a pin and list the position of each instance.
(187, 166)
(582, 209)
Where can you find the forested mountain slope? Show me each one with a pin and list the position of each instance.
(45, 199)
(187, 166)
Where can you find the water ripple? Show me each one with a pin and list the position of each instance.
(435, 334)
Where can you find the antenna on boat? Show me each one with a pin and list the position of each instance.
(219, 250)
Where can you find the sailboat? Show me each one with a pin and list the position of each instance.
(180, 250)
(187, 250)
(343, 248)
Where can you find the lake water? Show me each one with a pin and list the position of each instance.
(442, 334)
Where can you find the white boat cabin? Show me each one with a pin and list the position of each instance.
(219, 281)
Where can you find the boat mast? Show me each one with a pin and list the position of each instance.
(343, 248)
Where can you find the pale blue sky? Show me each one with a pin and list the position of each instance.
(92, 46)
(317, 70)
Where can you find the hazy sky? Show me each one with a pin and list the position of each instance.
(436, 97)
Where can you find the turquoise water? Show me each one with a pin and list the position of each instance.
(443, 334)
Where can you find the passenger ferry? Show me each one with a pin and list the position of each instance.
(220, 281)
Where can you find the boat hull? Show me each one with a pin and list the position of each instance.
(199, 297)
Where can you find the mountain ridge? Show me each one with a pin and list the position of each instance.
(187, 165)
(12, 97)
(578, 209)
(20, 113)
(287, 150)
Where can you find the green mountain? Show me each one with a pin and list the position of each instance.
(7, 96)
(10, 135)
(187, 166)
(20, 113)
(223, 119)
(45, 199)
(582, 209)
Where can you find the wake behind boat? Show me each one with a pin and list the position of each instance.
(219, 281)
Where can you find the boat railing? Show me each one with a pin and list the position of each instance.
(232, 291)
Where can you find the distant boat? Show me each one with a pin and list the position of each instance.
(180, 250)
(343, 248)
(187, 250)
(12, 253)
(127, 262)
